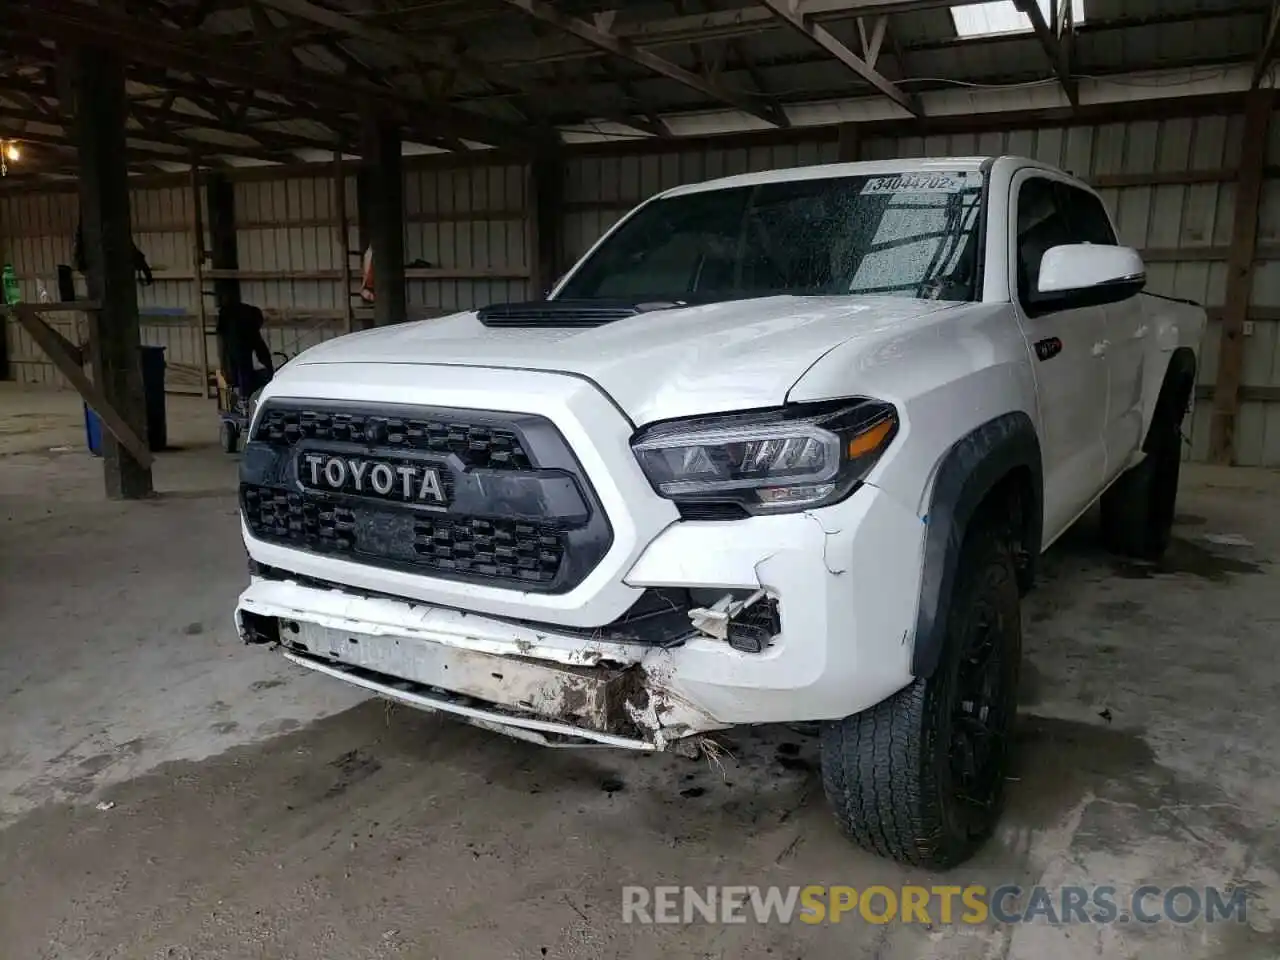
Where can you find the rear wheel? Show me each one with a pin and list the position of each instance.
(1138, 509)
(920, 776)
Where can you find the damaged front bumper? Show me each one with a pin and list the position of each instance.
(843, 582)
(527, 681)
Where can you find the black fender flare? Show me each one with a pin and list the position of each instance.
(1174, 397)
(969, 470)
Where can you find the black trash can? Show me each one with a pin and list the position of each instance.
(153, 397)
(153, 392)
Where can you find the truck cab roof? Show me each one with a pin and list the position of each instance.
(858, 169)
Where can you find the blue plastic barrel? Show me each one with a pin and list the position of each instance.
(92, 431)
(153, 393)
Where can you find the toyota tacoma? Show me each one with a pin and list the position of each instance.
(780, 447)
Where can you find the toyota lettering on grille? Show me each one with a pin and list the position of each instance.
(391, 480)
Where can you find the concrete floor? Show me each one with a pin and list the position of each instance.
(166, 792)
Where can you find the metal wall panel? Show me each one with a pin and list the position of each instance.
(37, 233)
(472, 224)
(288, 227)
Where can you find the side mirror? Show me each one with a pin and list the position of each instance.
(1089, 275)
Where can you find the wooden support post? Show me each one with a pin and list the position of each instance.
(546, 176)
(197, 269)
(342, 237)
(1240, 265)
(220, 198)
(384, 183)
(848, 143)
(69, 359)
(100, 112)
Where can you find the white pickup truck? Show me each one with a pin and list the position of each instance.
(781, 447)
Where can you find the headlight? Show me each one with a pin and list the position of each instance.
(772, 461)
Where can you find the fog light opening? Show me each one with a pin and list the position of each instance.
(747, 625)
(255, 628)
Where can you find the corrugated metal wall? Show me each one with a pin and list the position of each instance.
(37, 233)
(467, 231)
(468, 234)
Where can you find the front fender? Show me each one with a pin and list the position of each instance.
(976, 464)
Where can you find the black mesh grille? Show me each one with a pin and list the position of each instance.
(513, 507)
(468, 547)
(298, 518)
(477, 445)
(711, 510)
(507, 549)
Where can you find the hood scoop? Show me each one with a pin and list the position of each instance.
(564, 313)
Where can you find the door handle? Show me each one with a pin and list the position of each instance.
(1140, 332)
(1100, 348)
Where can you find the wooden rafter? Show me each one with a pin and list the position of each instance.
(1052, 41)
(74, 22)
(1271, 41)
(163, 124)
(610, 43)
(823, 37)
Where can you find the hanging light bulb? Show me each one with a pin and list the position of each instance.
(12, 152)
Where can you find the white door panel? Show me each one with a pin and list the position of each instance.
(1070, 350)
(1130, 335)
(1072, 388)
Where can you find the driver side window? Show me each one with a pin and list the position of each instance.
(1051, 213)
(1042, 224)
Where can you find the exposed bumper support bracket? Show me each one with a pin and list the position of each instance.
(545, 732)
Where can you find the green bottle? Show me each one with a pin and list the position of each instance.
(12, 292)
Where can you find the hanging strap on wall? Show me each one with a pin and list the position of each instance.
(141, 269)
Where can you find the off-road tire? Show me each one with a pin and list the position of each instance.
(229, 436)
(888, 771)
(1138, 509)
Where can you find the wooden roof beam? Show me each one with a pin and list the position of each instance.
(77, 23)
(611, 43)
(1053, 41)
(1269, 45)
(63, 143)
(161, 125)
(790, 14)
(744, 21)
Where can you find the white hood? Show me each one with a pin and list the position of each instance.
(740, 354)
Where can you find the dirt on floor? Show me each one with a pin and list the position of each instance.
(166, 792)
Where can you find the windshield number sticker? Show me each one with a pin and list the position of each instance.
(916, 183)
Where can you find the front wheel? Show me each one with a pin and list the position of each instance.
(919, 777)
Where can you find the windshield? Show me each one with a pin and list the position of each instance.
(906, 235)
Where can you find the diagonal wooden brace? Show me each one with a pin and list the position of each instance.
(69, 359)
